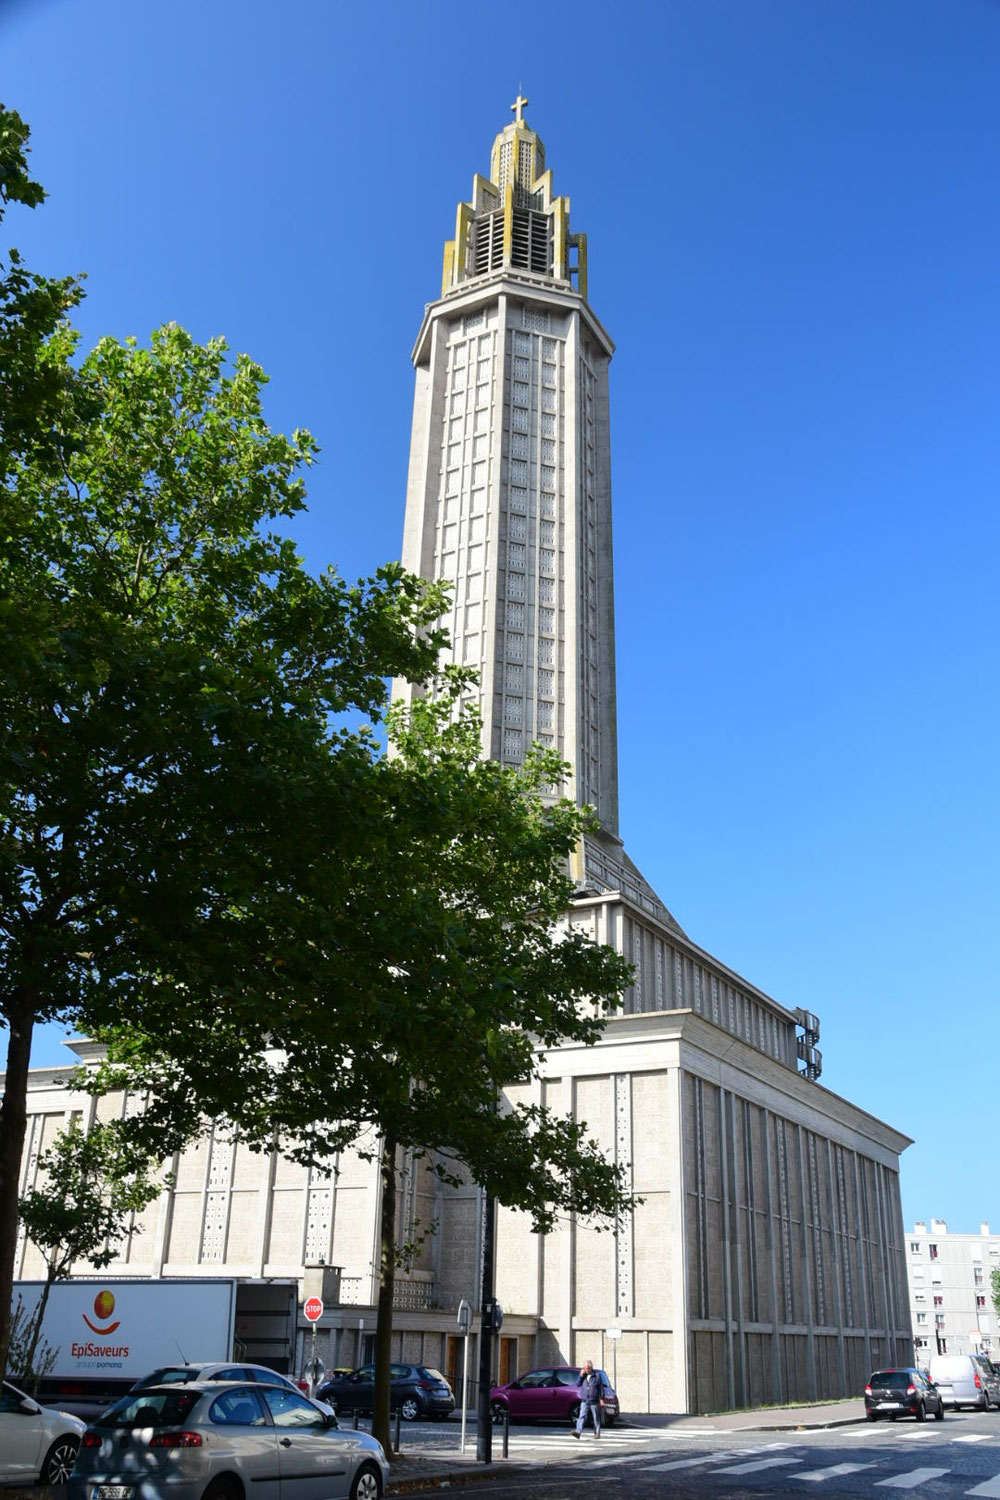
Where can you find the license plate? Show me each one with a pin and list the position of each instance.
(881, 1403)
(112, 1492)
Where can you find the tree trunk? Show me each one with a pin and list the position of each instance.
(386, 1287)
(13, 1123)
(29, 1361)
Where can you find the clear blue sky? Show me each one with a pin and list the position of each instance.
(794, 215)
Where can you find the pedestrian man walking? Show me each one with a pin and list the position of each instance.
(590, 1399)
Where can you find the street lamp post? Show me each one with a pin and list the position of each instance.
(487, 1304)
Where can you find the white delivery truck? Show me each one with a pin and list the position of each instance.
(109, 1333)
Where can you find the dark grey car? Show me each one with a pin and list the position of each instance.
(415, 1391)
(902, 1392)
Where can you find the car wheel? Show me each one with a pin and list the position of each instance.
(367, 1484)
(920, 1412)
(497, 1413)
(60, 1459)
(409, 1408)
(939, 1414)
(221, 1489)
(574, 1411)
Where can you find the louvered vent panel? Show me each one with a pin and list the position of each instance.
(540, 257)
(521, 239)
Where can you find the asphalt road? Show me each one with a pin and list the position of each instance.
(872, 1461)
(869, 1461)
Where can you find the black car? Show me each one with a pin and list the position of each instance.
(416, 1390)
(902, 1393)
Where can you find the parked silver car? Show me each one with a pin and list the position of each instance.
(205, 1440)
(37, 1443)
(184, 1374)
(226, 1370)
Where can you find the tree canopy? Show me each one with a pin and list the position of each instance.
(172, 673)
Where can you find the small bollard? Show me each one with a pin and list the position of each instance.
(395, 1441)
(506, 1429)
(355, 1419)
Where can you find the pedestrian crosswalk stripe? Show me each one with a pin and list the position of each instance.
(692, 1463)
(972, 1437)
(759, 1463)
(910, 1479)
(988, 1487)
(834, 1472)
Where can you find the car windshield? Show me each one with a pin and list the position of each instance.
(150, 1409)
(168, 1375)
(896, 1380)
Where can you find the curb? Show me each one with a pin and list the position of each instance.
(417, 1483)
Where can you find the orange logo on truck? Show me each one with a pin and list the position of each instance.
(104, 1306)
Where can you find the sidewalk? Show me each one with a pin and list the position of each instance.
(446, 1467)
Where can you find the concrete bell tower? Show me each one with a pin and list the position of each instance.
(509, 489)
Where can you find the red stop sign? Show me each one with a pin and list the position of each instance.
(313, 1309)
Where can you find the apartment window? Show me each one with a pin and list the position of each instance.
(921, 1317)
(980, 1301)
(919, 1297)
(939, 1320)
(933, 1249)
(939, 1302)
(977, 1275)
(914, 1247)
(942, 1346)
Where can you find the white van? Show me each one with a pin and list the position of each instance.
(964, 1380)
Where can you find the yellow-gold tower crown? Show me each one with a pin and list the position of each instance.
(514, 221)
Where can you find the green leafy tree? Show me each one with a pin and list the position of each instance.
(205, 859)
(93, 1184)
(995, 1289)
(414, 989)
(174, 681)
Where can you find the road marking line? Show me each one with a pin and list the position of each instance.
(988, 1487)
(910, 1480)
(972, 1437)
(692, 1463)
(835, 1471)
(761, 1463)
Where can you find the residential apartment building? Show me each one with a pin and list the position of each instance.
(951, 1298)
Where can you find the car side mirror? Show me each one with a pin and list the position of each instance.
(28, 1407)
(330, 1419)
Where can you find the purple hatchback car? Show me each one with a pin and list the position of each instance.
(549, 1395)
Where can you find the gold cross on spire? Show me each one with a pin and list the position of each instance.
(518, 105)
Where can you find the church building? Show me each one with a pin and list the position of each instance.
(765, 1262)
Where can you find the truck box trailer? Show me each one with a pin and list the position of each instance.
(108, 1333)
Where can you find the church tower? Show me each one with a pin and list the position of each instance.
(509, 489)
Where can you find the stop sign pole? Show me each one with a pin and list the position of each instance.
(313, 1309)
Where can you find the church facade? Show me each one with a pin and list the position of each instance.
(765, 1260)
